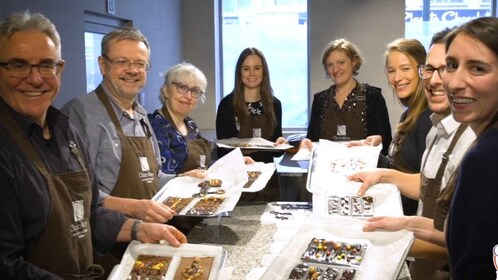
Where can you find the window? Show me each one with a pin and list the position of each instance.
(92, 52)
(425, 17)
(279, 29)
(96, 26)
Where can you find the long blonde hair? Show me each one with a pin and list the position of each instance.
(417, 102)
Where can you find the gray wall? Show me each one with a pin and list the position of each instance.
(159, 20)
(185, 31)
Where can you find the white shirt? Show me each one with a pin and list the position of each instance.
(442, 134)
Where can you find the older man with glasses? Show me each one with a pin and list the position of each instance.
(52, 219)
(118, 132)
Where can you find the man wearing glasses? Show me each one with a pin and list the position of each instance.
(446, 143)
(52, 217)
(117, 130)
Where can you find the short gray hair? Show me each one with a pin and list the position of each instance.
(179, 73)
(27, 21)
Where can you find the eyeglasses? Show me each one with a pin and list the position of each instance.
(125, 63)
(22, 69)
(183, 89)
(425, 71)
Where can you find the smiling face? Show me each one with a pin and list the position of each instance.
(252, 71)
(402, 74)
(181, 104)
(339, 67)
(471, 81)
(124, 83)
(434, 91)
(30, 96)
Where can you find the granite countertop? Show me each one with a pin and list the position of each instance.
(241, 234)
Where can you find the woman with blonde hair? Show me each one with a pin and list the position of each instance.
(347, 110)
(403, 56)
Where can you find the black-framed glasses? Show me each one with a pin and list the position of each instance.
(22, 69)
(183, 89)
(123, 63)
(426, 71)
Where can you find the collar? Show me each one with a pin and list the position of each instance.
(445, 125)
(119, 111)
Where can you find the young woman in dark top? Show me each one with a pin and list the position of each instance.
(251, 104)
(348, 110)
(405, 152)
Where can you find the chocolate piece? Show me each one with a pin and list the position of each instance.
(150, 267)
(177, 203)
(191, 268)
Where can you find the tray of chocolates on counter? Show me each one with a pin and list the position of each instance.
(333, 252)
(305, 271)
(205, 201)
(356, 206)
(162, 262)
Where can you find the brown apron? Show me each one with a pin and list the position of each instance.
(138, 172)
(396, 161)
(195, 148)
(429, 192)
(345, 125)
(249, 122)
(67, 234)
(430, 188)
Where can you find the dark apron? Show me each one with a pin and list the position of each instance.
(249, 122)
(345, 125)
(429, 192)
(67, 233)
(138, 172)
(195, 148)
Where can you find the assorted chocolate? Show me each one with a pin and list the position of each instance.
(150, 267)
(305, 271)
(206, 206)
(334, 252)
(358, 206)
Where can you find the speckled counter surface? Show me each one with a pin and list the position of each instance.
(241, 234)
(245, 239)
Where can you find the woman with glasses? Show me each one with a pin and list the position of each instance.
(181, 145)
(403, 56)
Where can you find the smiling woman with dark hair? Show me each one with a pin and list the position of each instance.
(471, 82)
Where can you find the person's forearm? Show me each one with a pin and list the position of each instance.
(423, 228)
(123, 205)
(408, 184)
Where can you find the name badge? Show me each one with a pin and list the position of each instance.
(341, 130)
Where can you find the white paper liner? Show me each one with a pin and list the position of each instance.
(252, 144)
(230, 169)
(136, 248)
(383, 258)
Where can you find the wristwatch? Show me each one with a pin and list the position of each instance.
(134, 229)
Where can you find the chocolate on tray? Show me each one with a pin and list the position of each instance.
(351, 205)
(304, 271)
(150, 267)
(191, 268)
(206, 206)
(211, 183)
(334, 252)
(177, 203)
